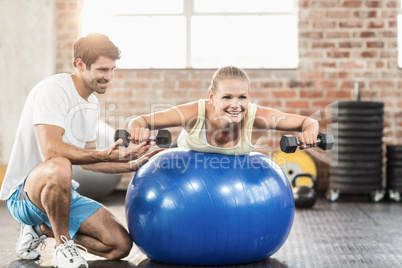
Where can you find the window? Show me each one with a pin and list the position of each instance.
(198, 33)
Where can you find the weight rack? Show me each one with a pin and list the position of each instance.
(356, 159)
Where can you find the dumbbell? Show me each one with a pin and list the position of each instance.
(163, 139)
(289, 143)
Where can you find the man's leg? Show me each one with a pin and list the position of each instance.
(49, 188)
(103, 235)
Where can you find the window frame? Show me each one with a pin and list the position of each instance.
(189, 12)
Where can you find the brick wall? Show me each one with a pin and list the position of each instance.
(340, 42)
(67, 31)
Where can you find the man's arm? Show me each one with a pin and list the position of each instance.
(117, 168)
(52, 145)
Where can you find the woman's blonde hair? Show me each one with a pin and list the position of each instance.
(228, 72)
(232, 72)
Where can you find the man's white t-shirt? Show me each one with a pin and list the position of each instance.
(53, 101)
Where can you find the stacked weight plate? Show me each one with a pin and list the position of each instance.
(394, 171)
(356, 159)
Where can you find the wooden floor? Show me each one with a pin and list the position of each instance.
(351, 232)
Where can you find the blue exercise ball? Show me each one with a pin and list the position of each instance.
(190, 208)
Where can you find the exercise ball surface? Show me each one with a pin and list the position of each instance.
(190, 208)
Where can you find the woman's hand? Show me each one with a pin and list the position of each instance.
(141, 134)
(307, 139)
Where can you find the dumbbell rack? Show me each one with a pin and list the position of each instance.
(356, 159)
(394, 172)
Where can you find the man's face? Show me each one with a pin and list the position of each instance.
(99, 75)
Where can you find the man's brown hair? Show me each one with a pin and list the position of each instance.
(92, 46)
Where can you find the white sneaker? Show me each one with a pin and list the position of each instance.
(66, 255)
(28, 241)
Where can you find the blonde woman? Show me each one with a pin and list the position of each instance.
(226, 122)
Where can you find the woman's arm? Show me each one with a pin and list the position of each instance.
(179, 116)
(267, 119)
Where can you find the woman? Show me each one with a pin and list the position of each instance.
(226, 123)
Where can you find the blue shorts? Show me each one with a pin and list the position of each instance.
(23, 210)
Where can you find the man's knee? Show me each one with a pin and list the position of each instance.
(120, 245)
(122, 250)
(56, 172)
(59, 171)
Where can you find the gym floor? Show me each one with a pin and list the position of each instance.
(351, 232)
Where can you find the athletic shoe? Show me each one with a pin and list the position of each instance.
(28, 241)
(66, 255)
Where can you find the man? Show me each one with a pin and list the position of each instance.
(57, 130)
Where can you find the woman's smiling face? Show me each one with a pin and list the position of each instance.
(231, 99)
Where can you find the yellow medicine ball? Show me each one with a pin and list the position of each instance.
(296, 163)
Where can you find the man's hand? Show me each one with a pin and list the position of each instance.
(118, 153)
(136, 164)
